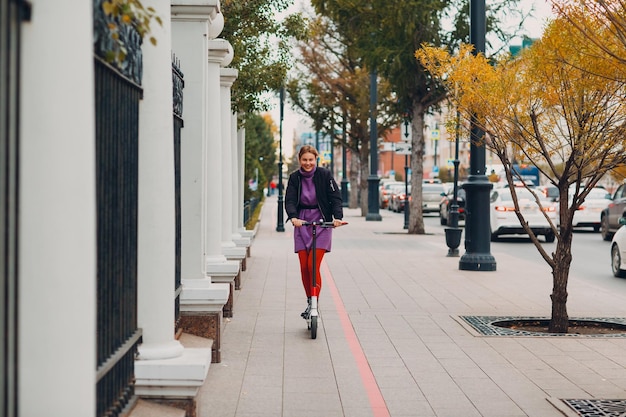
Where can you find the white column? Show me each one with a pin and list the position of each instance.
(229, 248)
(156, 216)
(227, 78)
(216, 262)
(238, 238)
(190, 27)
(191, 30)
(57, 213)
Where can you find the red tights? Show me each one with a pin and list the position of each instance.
(306, 267)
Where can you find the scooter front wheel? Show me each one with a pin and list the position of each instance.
(314, 327)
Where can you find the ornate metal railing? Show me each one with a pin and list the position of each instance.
(179, 84)
(107, 43)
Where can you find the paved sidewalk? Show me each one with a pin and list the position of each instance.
(391, 341)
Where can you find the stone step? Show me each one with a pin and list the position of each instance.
(192, 341)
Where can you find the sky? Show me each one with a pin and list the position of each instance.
(295, 124)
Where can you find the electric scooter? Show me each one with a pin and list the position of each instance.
(311, 317)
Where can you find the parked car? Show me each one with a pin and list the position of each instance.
(398, 198)
(551, 192)
(385, 192)
(588, 214)
(609, 218)
(618, 250)
(431, 197)
(393, 192)
(504, 221)
(446, 201)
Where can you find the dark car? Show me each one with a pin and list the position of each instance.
(609, 218)
(446, 201)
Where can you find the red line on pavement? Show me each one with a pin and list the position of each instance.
(379, 408)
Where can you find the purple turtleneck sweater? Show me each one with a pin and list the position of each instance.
(303, 238)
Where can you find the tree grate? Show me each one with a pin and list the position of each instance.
(598, 408)
(485, 326)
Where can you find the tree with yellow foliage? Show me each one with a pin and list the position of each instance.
(611, 49)
(557, 105)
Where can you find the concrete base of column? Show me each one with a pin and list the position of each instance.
(242, 242)
(151, 351)
(207, 325)
(235, 253)
(203, 295)
(228, 308)
(225, 268)
(206, 295)
(174, 382)
(247, 233)
(232, 251)
(201, 310)
(225, 272)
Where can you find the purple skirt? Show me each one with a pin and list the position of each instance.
(303, 236)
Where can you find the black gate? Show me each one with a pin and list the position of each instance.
(117, 96)
(12, 12)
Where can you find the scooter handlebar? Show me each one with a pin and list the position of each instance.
(322, 224)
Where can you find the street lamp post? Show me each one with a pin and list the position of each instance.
(477, 256)
(435, 138)
(373, 213)
(407, 206)
(453, 233)
(280, 222)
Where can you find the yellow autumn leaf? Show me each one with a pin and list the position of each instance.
(108, 8)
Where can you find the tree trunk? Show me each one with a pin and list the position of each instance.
(416, 214)
(354, 181)
(560, 272)
(364, 186)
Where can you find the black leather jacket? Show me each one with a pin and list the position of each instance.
(326, 190)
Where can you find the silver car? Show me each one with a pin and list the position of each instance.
(431, 197)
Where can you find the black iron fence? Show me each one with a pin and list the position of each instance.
(117, 92)
(179, 84)
(117, 130)
(248, 209)
(11, 14)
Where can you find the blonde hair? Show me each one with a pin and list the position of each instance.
(307, 149)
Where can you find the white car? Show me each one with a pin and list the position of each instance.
(504, 221)
(589, 213)
(618, 250)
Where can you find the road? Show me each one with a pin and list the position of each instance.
(591, 255)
